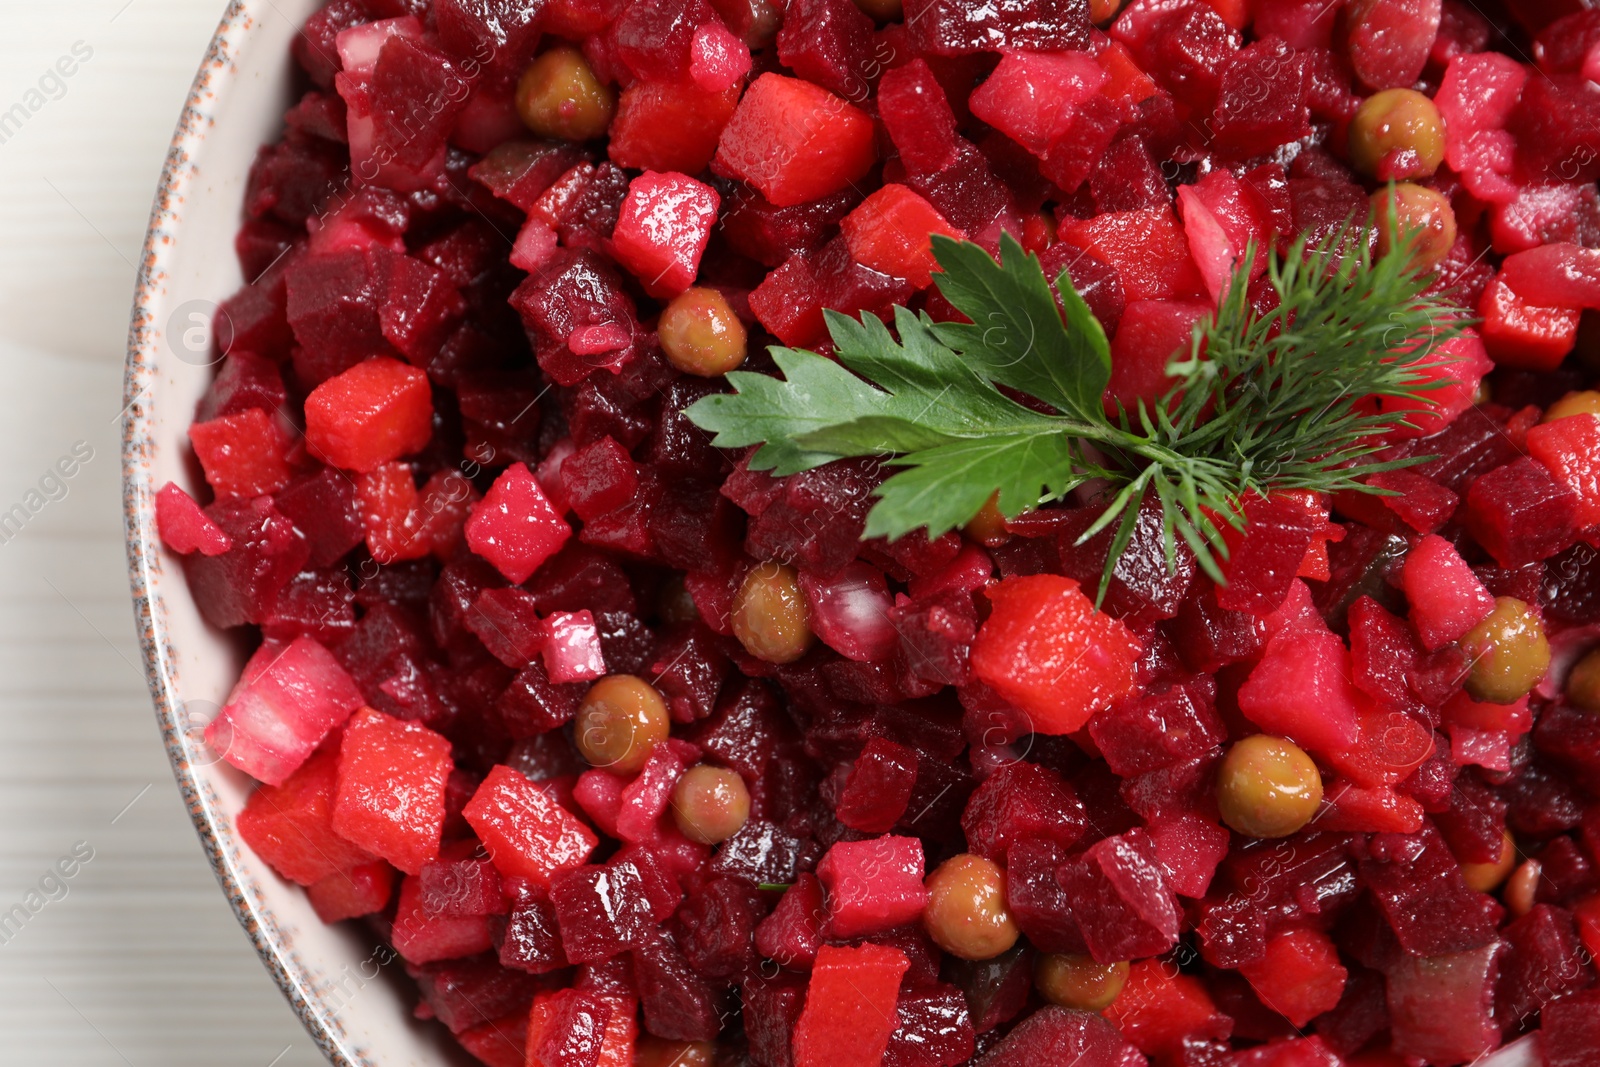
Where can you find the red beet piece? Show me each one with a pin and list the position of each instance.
(1301, 689)
(242, 454)
(935, 1029)
(879, 787)
(1446, 598)
(772, 1006)
(764, 853)
(1572, 1030)
(533, 939)
(1520, 513)
(678, 1003)
(472, 992)
(1119, 893)
(574, 1031)
(1019, 801)
(1543, 960)
(1262, 100)
(830, 42)
(1035, 898)
(1166, 724)
(1057, 1035)
(1418, 885)
(602, 910)
(793, 932)
(918, 116)
(456, 889)
(575, 291)
(944, 29)
(719, 923)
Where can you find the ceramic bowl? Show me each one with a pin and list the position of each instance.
(347, 988)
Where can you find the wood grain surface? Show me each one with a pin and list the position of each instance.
(135, 958)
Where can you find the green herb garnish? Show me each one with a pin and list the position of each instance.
(1261, 403)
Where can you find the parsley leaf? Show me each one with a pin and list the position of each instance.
(1281, 400)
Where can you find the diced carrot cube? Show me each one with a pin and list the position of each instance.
(1047, 650)
(850, 1005)
(1569, 448)
(528, 834)
(1523, 335)
(892, 231)
(378, 410)
(241, 454)
(663, 230)
(514, 526)
(291, 825)
(390, 797)
(795, 141)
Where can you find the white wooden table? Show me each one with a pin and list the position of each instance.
(137, 960)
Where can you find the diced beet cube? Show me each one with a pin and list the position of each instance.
(333, 310)
(1572, 1029)
(794, 141)
(1032, 97)
(772, 1006)
(527, 832)
(241, 454)
(1147, 248)
(794, 931)
(1446, 598)
(1520, 513)
(653, 40)
(934, 1029)
(599, 477)
(830, 43)
(390, 797)
(1020, 801)
(362, 890)
(1441, 1006)
(918, 116)
(1047, 650)
(533, 939)
(1164, 725)
(850, 1005)
(1569, 449)
(507, 624)
(474, 992)
(1264, 557)
(665, 224)
(1119, 893)
(718, 60)
(571, 648)
(423, 938)
(1189, 848)
(1150, 335)
(891, 232)
(1543, 960)
(1419, 888)
(288, 700)
(601, 910)
(184, 527)
(514, 527)
(764, 853)
(875, 795)
(944, 29)
(455, 889)
(646, 798)
(1035, 898)
(1520, 333)
(325, 509)
(678, 1003)
(1301, 689)
(575, 291)
(374, 412)
(873, 885)
(290, 825)
(1262, 100)
(1058, 1035)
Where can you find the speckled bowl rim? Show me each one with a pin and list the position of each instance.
(297, 979)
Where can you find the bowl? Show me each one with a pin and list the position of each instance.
(340, 980)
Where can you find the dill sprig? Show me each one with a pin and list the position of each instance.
(1297, 397)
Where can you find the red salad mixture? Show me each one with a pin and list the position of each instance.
(636, 755)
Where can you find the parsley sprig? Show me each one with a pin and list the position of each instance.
(1295, 398)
